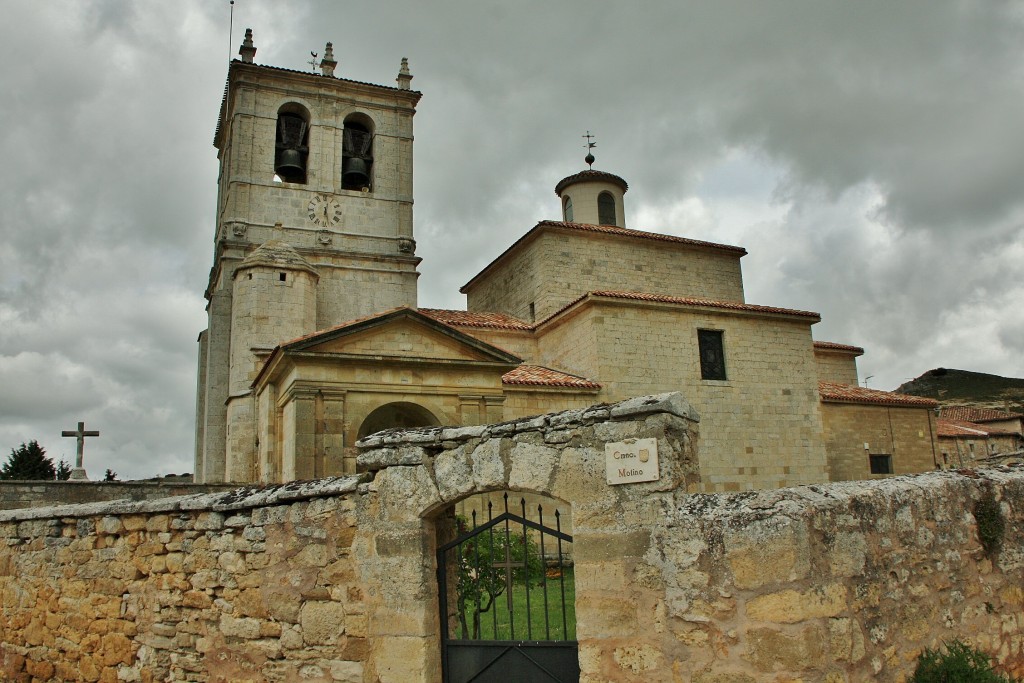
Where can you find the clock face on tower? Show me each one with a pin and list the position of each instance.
(324, 210)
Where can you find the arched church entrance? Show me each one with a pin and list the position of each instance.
(507, 590)
(400, 414)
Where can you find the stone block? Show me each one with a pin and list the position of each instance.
(770, 650)
(488, 466)
(532, 467)
(322, 622)
(791, 606)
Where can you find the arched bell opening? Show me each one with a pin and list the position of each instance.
(401, 415)
(357, 153)
(291, 145)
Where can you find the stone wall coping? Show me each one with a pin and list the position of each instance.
(740, 509)
(238, 499)
(631, 408)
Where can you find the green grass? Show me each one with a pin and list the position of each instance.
(495, 623)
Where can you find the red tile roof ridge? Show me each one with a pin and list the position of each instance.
(833, 391)
(682, 300)
(341, 326)
(483, 319)
(960, 428)
(642, 234)
(540, 375)
(972, 414)
(833, 346)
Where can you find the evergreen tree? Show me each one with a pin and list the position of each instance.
(63, 471)
(110, 475)
(28, 461)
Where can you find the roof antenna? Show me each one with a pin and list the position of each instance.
(231, 26)
(589, 146)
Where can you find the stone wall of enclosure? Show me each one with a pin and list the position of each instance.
(334, 580)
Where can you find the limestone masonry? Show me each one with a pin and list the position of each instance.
(333, 580)
(314, 338)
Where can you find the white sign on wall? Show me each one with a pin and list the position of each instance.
(631, 461)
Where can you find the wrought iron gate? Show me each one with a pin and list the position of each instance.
(507, 600)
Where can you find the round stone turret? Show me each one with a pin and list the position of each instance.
(274, 300)
(593, 197)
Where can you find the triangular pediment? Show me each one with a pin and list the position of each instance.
(401, 333)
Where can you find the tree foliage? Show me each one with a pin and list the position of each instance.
(959, 663)
(28, 461)
(110, 475)
(63, 471)
(480, 582)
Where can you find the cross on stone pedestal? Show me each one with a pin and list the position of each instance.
(508, 565)
(80, 434)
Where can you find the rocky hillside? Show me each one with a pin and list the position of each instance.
(963, 387)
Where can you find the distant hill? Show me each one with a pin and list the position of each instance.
(963, 387)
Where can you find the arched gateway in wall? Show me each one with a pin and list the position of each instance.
(435, 567)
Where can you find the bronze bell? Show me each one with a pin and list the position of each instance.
(355, 172)
(290, 164)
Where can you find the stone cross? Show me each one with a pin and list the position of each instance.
(80, 434)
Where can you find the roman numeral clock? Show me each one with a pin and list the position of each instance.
(324, 210)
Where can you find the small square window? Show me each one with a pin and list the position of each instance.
(282, 277)
(880, 464)
(712, 354)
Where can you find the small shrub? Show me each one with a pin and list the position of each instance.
(991, 524)
(960, 663)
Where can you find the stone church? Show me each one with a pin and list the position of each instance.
(315, 339)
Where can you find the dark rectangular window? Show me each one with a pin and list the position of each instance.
(712, 354)
(881, 464)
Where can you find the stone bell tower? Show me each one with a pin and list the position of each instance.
(313, 228)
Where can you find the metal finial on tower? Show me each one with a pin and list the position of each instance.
(248, 50)
(404, 77)
(313, 63)
(328, 63)
(589, 146)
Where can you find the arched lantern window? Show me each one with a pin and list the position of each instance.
(567, 209)
(606, 208)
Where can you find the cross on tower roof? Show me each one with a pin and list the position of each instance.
(80, 434)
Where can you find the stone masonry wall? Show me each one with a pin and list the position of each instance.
(35, 494)
(334, 580)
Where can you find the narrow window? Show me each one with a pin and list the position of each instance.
(880, 464)
(712, 354)
(567, 210)
(606, 208)
(282, 277)
(357, 154)
(291, 147)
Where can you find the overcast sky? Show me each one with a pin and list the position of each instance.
(868, 155)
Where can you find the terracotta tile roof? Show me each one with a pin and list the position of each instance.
(959, 428)
(832, 346)
(969, 414)
(606, 230)
(538, 375)
(684, 301)
(497, 321)
(847, 393)
(641, 234)
(590, 174)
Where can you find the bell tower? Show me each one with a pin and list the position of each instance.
(320, 169)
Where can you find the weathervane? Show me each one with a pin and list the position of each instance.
(589, 146)
(313, 61)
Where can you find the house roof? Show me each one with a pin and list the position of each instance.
(683, 301)
(969, 414)
(588, 176)
(832, 346)
(538, 375)
(833, 392)
(534, 232)
(959, 428)
(496, 321)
